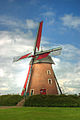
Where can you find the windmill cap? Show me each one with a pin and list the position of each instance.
(47, 59)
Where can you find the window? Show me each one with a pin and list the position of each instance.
(32, 92)
(48, 72)
(50, 81)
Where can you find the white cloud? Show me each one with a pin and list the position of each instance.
(68, 71)
(30, 24)
(4, 89)
(11, 22)
(48, 14)
(71, 21)
(1, 72)
(4, 40)
(51, 22)
(70, 52)
(49, 17)
(17, 24)
(13, 44)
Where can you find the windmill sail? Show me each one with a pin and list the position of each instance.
(15, 59)
(24, 88)
(38, 39)
(56, 52)
(42, 54)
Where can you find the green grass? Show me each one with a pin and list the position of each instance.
(40, 113)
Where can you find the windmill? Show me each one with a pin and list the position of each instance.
(41, 78)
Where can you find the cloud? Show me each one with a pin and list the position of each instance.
(30, 24)
(1, 72)
(70, 52)
(17, 24)
(13, 74)
(67, 70)
(71, 21)
(48, 14)
(11, 22)
(14, 43)
(49, 17)
(34, 2)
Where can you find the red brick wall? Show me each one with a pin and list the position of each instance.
(40, 78)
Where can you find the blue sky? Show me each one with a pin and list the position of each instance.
(61, 27)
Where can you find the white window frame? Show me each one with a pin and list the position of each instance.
(48, 72)
(49, 80)
(31, 90)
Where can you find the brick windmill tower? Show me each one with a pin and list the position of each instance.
(40, 78)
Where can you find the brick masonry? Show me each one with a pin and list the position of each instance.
(39, 79)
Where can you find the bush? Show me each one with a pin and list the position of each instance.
(53, 101)
(9, 100)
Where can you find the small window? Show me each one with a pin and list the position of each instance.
(50, 81)
(48, 72)
(32, 92)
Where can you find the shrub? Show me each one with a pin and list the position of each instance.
(9, 100)
(53, 101)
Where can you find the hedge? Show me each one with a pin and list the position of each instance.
(9, 100)
(53, 101)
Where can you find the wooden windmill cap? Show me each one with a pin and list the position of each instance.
(47, 59)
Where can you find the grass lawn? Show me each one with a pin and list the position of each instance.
(40, 113)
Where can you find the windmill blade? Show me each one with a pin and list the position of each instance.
(15, 59)
(49, 51)
(38, 38)
(43, 54)
(27, 81)
(56, 52)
